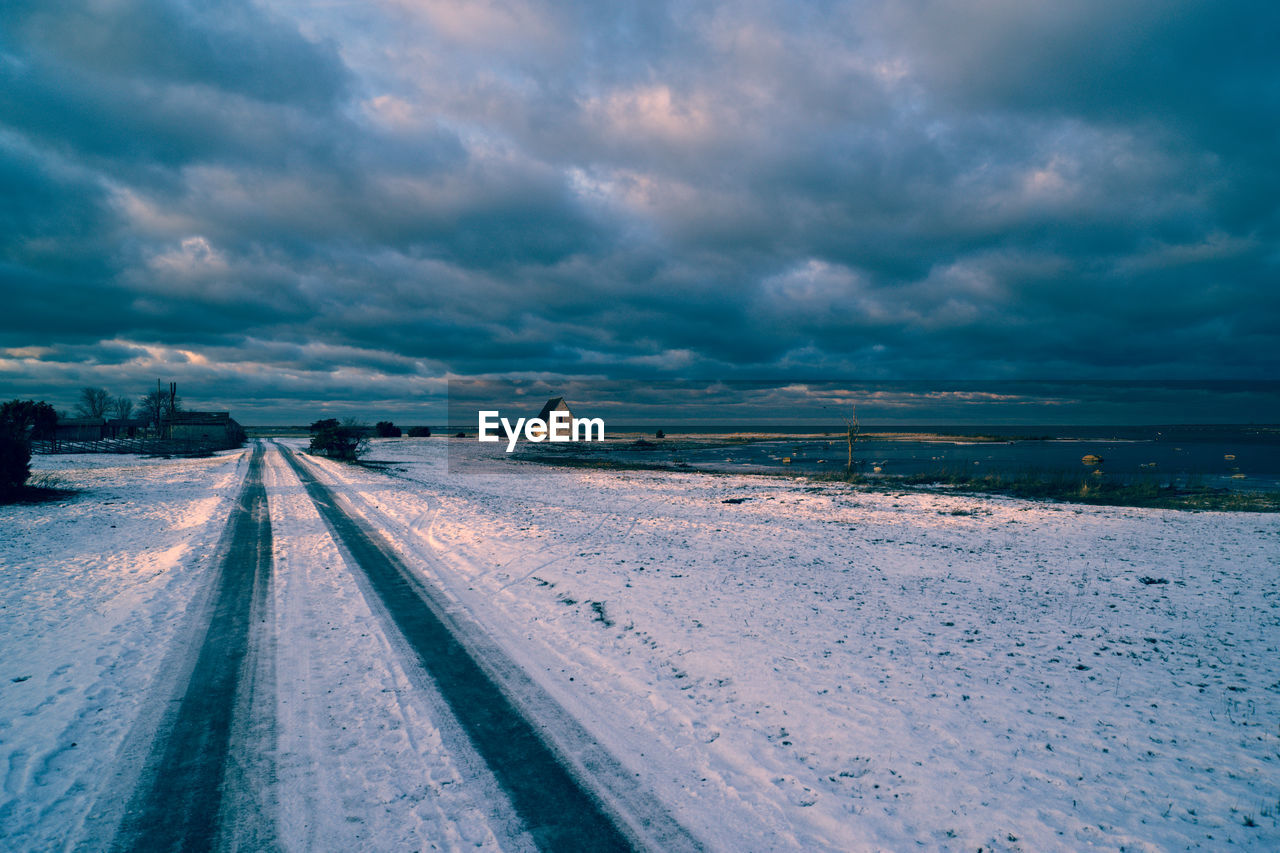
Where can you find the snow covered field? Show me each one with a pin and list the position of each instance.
(94, 592)
(809, 667)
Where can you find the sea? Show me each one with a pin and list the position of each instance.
(1217, 456)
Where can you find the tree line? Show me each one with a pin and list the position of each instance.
(154, 407)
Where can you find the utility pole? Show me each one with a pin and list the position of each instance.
(173, 401)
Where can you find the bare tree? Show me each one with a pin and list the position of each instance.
(159, 405)
(123, 407)
(852, 427)
(93, 403)
(151, 407)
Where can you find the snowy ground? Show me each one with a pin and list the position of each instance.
(361, 752)
(94, 592)
(809, 668)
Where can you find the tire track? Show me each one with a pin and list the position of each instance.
(558, 809)
(199, 757)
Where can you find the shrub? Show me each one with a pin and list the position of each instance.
(15, 463)
(386, 429)
(327, 423)
(420, 432)
(20, 422)
(659, 434)
(28, 419)
(337, 440)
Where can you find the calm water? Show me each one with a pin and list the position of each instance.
(1219, 456)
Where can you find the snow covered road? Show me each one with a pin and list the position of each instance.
(195, 792)
(507, 719)
(205, 785)
(809, 667)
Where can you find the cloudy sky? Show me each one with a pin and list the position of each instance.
(290, 206)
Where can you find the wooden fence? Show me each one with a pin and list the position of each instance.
(145, 446)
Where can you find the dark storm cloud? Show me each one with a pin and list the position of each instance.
(287, 201)
(157, 83)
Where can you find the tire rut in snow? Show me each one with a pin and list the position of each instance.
(180, 801)
(558, 811)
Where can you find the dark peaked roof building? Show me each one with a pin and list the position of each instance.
(555, 404)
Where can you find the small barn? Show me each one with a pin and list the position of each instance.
(80, 429)
(215, 428)
(127, 427)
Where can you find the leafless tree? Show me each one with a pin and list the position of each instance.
(93, 403)
(123, 407)
(158, 406)
(151, 407)
(852, 427)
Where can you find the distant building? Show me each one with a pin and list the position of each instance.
(80, 429)
(127, 427)
(205, 427)
(555, 404)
